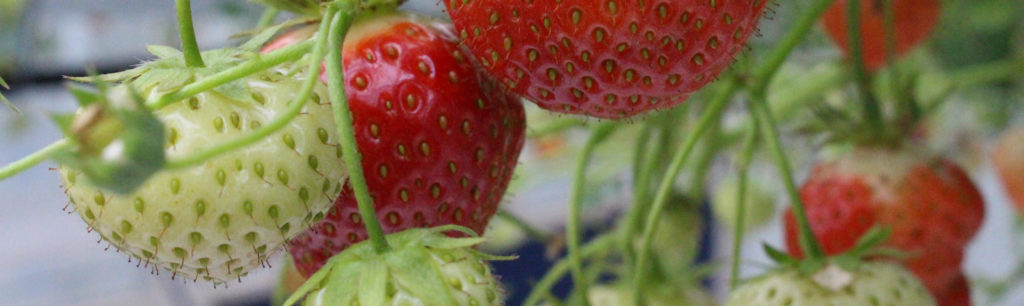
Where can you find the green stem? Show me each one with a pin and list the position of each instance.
(872, 112)
(763, 116)
(749, 142)
(712, 145)
(260, 63)
(530, 230)
(707, 119)
(294, 108)
(804, 24)
(188, 34)
(346, 132)
(33, 159)
(984, 73)
(541, 289)
(643, 166)
(573, 228)
(267, 18)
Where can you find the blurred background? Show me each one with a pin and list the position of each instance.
(47, 256)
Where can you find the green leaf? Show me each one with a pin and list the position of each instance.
(4, 99)
(416, 273)
(237, 90)
(163, 52)
(85, 95)
(778, 256)
(872, 238)
(342, 285)
(373, 283)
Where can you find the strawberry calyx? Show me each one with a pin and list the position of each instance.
(423, 265)
(3, 84)
(868, 247)
(117, 142)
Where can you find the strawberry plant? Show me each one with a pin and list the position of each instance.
(374, 145)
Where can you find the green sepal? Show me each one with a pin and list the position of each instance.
(163, 52)
(415, 269)
(872, 238)
(4, 99)
(121, 144)
(778, 256)
(63, 122)
(359, 273)
(260, 37)
(373, 283)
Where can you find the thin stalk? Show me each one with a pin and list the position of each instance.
(530, 230)
(749, 142)
(260, 63)
(573, 228)
(763, 76)
(643, 166)
(267, 18)
(541, 289)
(763, 116)
(346, 133)
(872, 111)
(188, 34)
(707, 119)
(294, 108)
(33, 159)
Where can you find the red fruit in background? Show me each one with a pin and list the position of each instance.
(957, 293)
(439, 143)
(1008, 160)
(913, 21)
(930, 205)
(607, 59)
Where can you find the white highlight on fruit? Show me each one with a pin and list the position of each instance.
(833, 277)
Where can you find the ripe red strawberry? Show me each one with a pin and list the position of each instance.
(929, 203)
(957, 293)
(607, 59)
(439, 143)
(1008, 159)
(913, 20)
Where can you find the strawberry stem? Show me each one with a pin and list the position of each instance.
(644, 166)
(872, 111)
(707, 119)
(762, 115)
(763, 76)
(188, 34)
(543, 286)
(343, 121)
(33, 159)
(239, 71)
(749, 142)
(267, 18)
(573, 230)
(294, 109)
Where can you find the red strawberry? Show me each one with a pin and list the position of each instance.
(1008, 159)
(957, 293)
(928, 203)
(439, 143)
(607, 59)
(913, 20)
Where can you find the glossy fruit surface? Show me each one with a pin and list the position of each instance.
(439, 143)
(607, 59)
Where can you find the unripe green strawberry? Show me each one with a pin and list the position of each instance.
(759, 209)
(870, 283)
(677, 237)
(425, 267)
(619, 295)
(224, 217)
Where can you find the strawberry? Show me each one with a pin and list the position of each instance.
(957, 293)
(930, 205)
(605, 59)
(873, 283)
(1008, 160)
(621, 295)
(913, 20)
(424, 268)
(225, 217)
(759, 205)
(439, 143)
